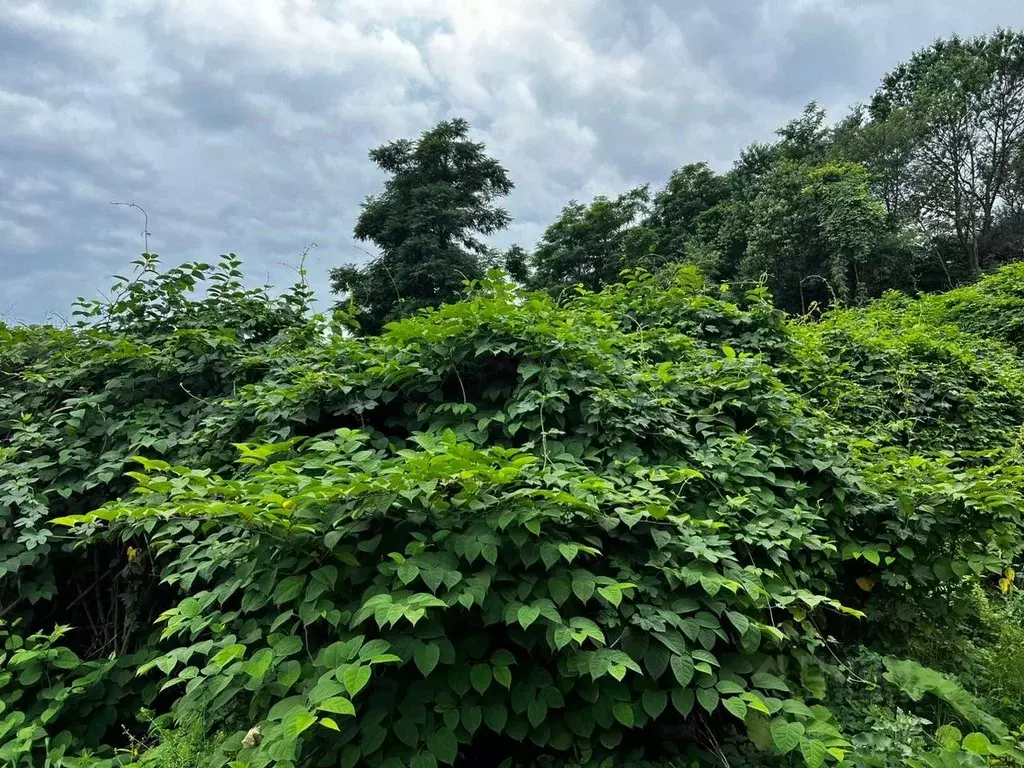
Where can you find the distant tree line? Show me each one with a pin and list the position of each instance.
(920, 189)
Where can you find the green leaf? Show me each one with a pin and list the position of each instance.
(623, 713)
(228, 654)
(426, 657)
(702, 655)
(288, 645)
(568, 550)
(682, 668)
(503, 676)
(522, 695)
(655, 702)
(407, 732)
(611, 593)
(458, 679)
(751, 639)
(289, 673)
(65, 658)
(786, 735)
(471, 717)
(288, 589)
(741, 622)
(502, 657)
(813, 752)
(526, 615)
(284, 707)
(656, 660)
(583, 586)
(559, 590)
(549, 555)
(373, 648)
(661, 538)
(372, 738)
(443, 745)
(258, 666)
(337, 705)
(736, 706)
(480, 677)
(536, 712)
(611, 739)
(728, 687)
(423, 760)
(296, 722)
(327, 576)
(281, 619)
(338, 653)
(707, 698)
(329, 722)
(768, 681)
(355, 679)
(682, 700)
(756, 703)
(949, 737)
(495, 717)
(977, 743)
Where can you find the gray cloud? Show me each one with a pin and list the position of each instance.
(243, 125)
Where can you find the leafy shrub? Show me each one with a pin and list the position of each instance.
(991, 308)
(472, 588)
(600, 531)
(55, 703)
(914, 380)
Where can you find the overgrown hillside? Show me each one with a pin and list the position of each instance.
(661, 523)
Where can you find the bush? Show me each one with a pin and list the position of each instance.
(992, 308)
(645, 524)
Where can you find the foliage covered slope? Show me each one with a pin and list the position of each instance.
(660, 522)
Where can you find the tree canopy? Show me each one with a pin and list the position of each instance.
(918, 190)
(427, 223)
(590, 245)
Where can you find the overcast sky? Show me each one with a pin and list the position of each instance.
(243, 125)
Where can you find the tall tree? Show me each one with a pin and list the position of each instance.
(817, 234)
(590, 245)
(719, 239)
(426, 223)
(886, 149)
(966, 100)
(806, 139)
(675, 217)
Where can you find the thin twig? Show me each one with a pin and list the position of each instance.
(145, 225)
(194, 397)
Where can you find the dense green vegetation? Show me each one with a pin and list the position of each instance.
(647, 496)
(921, 189)
(660, 522)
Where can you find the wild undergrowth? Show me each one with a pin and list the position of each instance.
(660, 524)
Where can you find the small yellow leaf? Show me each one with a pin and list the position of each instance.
(1004, 585)
(132, 554)
(865, 583)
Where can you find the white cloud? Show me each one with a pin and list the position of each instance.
(243, 125)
